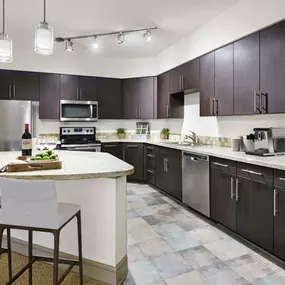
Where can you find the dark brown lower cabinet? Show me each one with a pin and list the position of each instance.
(168, 171)
(149, 164)
(113, 148)
(279, 223)
(223, 203)
(133, 153)
(255, 212)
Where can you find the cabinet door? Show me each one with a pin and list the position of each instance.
(6, 84)
(175, 80)
(190, 75)
(147, 96)
(255, 212)
(69, 87)
(49, 96)
(88, 88)
(223, 203)
(163, 96)
(246, 75)
(130, 91)
(173, 175)
(160, 173)
(113, 148)
(110, 96)
(25, 85)
(134, 155)
(207, 84)
(279, 223)
(224, 81)
(272, 67)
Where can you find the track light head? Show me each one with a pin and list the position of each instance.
(147, 35)
(68, 45)
(121, 38)
(95, 44)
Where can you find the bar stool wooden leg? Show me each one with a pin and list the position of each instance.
(9, 250)
(1, 236)
(80, 247)
(30, 257)
(56, 257)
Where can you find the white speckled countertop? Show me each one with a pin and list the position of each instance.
(75, 166)
(277, 162)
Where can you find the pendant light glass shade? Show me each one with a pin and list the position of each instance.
(6, 48)
(44, 39)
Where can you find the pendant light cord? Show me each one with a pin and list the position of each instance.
(44, 10)
(3, 16)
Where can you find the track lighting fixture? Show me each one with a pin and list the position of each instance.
(95, 43)
(44, 39)
(120, 38)
(6, 47)
(147, 35)
(68, 45)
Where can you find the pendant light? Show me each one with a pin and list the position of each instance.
(44, 36)
(6, 48)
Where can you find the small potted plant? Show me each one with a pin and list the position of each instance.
(164, 134)
(121, 133)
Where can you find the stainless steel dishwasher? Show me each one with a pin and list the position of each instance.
(195, 182)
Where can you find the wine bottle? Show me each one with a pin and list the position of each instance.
(26, 142)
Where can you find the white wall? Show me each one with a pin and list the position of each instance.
(244, 18)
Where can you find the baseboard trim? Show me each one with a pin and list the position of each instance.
(92, 269)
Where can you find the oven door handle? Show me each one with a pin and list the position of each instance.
(82, 148)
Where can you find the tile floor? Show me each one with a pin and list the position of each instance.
(169, 245)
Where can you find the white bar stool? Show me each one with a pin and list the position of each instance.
(32, 206)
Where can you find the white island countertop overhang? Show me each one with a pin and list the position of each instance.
(75, 166)
(97, 183)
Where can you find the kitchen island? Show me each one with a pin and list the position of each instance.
(96, 182)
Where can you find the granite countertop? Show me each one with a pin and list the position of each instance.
(277, 162)
(75, 166)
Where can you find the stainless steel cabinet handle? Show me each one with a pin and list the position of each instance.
(255, 95)
(10, 91)
(132, 145)
(265, 95)
(164, 162)
(220, 164)
(14, 90)
(110, 146)
(150, 147)
(77, 94)
(274, 203)
(166, 165)
(251, 172)
(150, 155)
(216, 107)
(237, 183)
(149, 171)
(167, 111)
(282, 179)
(139, 113)
(80, 93)
(211, 106)
(232, 188)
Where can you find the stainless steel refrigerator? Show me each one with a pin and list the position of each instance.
(13, 117)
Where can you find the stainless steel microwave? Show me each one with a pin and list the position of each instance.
(78, 111)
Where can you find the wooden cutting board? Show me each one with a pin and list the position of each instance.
(34, 166)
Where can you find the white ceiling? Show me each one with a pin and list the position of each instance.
(174, 18)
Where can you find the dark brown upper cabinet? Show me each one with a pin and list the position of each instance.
(184, 77)
(69, 87)
(19, 85)
(272, 68)
(110, 96)
(147, 98)
(73, 87)
(49, 96)
(207, 84)
(224, 81)
(246, 75)
(131, 97)
(88, 88)
(163, 107)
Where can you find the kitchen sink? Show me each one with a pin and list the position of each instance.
(184, 144)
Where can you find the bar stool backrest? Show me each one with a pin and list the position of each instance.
(29, 203)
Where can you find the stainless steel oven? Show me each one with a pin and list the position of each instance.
(78, 111)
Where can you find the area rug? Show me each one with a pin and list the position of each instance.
(42, 273)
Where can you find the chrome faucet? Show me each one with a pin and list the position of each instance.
(193, 137)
